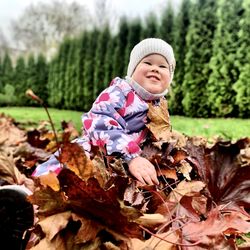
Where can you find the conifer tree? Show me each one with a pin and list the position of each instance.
(70, 76)
(51, 82)
(31, 81)
(1, 74)
(82, 51)
(7, 71)
(199, 43)
(134, 36)
(7, 89)
(89, 65)
(57, 76)
(151, 26)
(179, 46)
(109, 74)
(166, 28)
(120, 66)
(99, 69)
(242, 85)
(42, 77)
(20, 81)
(224, 72)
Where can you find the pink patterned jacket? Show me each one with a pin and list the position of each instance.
(116, 123)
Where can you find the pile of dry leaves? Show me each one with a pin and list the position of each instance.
(202, 201)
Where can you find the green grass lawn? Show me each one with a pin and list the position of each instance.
(228, 128)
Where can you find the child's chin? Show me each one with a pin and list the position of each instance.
(154, 91)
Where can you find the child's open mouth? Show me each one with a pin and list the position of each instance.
(153, 77)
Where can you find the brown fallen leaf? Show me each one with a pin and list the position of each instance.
(49, 201)
(89, 198)
(53, 224)
(159, 120)
(162, 241)
(50, 180)
(74, 157)
(10, 135)
(8, 170)
(168, 173)
(88, 230)
(184, 188)
(209, 231)
(56, 244)
(149, 220)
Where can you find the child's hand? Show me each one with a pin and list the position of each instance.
(143, 170)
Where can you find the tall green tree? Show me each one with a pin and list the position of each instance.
(242, 85)
(20, 81)
(80, 101)
(99, 69)
(120, 66)
(134, 36)
(89, 65)
(181, 26)
(57, 75)
(71, 76)
(151, 26)
(31, 82)
(109, 73)
(199, 43)
(42, 77)
(224, 72)
(1, 74)
(7, 71)
(51, 80)
(7, 90)
(166, 28)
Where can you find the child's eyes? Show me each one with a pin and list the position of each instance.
(148, 63)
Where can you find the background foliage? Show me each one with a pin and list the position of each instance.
(210, 40)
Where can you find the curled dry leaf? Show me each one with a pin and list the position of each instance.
(184, 188)
(150, 220)
(160, 241)
(89, 198)
(74, 157)
(53, 224)
(105, 208)
(57, 243)
(10, 134)
(159, 121)
(213, 227)
(88, 230)
(8, 170)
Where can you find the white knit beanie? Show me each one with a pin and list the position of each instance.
(151, 46)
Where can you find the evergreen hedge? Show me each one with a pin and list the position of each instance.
(211, 43)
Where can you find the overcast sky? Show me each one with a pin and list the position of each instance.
(11, 9)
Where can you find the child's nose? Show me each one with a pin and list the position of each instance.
(154, 68)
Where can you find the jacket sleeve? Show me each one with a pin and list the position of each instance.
(106, 126)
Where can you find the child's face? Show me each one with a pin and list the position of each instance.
(153, 73)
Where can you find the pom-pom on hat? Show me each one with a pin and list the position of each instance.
(151, 46)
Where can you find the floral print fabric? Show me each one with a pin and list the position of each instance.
(115, 123)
